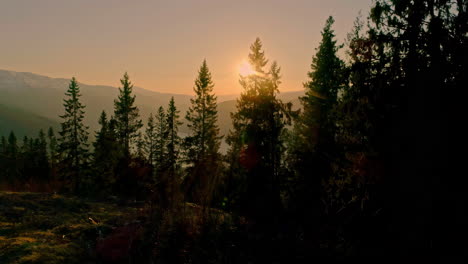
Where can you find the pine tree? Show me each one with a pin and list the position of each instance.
(202, 145)
(41, 157)
(312, 148)
(255, 140)
(127, 115)
(202, 116)
(161, 140)
(107, 153)
(73, 141)
(140, 148)
(52, 146)
(3, 145)
(53, 154)
(170, 176)
(326, 79)
(173, 138)
(3, 158)
(12, 146)
(151, 140)
(12, 166)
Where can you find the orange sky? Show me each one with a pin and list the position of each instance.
(162, 43)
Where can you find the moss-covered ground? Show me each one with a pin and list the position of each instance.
(51, 228)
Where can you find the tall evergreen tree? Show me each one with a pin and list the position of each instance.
(151, 140)
(12, 168)
(173, 138)
(52, 146)
(202, 145)
(161, 140)
(3, 158)
(140, 152)
(3, 144)
(171, 167)
(12, 146)
(255, 140)
(127, 115)
(41, 157)
(107, 153)
(73, 141)
(312, 150)
(53, 154)
(326, 79)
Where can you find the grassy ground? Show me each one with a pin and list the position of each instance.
(50, 228)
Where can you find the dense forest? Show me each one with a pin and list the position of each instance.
(359, 169)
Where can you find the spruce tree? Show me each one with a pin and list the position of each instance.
(316, 122)
(127, 115)
(41, 157)
(106, 154)
(52, 146)
(171, 165)
(161, 140)
(73, 141)
(12, 146)
(255, 141)
(173, 139)
(202, 145)
(53, 153)
(12, 168)
(140, 148)
(3, 158)
(312, 151)
(3, 145)
(151, 140)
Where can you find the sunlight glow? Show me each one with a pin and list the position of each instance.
(246, 69)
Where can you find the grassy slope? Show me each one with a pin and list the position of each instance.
(48, 228)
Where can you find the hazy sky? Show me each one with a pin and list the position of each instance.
(162, 43)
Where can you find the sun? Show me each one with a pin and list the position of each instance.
(245, 69)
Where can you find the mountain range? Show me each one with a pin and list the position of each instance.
(29, 102)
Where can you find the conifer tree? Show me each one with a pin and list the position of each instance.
(326, 78)
(3, 144)
(312, 149)
(12, 146)
(53, 153)
(52, 146)
(151, 140)
(3, 158)
(106, 154)
(170, 174)
(12, 170)
(140, 148)
(202, 145)
(126, 115)
(255, 140)
(161, 140)
(41, 157)
(173, 138)
(73, 141)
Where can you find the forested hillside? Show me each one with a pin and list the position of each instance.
(42, 97)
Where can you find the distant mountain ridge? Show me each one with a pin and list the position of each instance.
(42, 97)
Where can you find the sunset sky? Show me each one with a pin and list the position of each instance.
(162, 43)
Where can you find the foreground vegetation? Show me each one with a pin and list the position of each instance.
(50, 228)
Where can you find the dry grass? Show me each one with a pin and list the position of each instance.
(50, 228)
